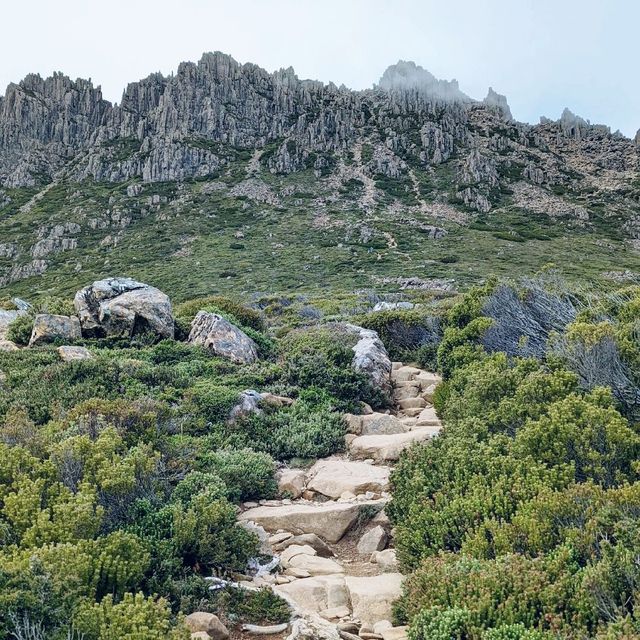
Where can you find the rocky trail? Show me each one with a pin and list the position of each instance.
(337, 565)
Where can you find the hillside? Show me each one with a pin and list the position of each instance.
(224, 177)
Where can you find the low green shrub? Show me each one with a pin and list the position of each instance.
(244, 316)
(261, 607)
(19, 331)
(247, 474)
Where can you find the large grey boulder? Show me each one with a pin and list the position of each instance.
(223, 339)
(123, 307)
(371, 358)
(49, 327)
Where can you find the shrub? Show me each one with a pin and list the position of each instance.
(206, 536)
(586, 433)
(196, 483)
(321, 358)
(440, 624)
(254, 607)
(247, 474)
(19, 331)
(244, 316)
(134, 618)
(404, 332)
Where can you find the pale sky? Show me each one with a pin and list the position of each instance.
(543, 54)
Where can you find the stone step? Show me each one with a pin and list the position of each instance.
(428, 418)
(404, 373)
(389, 447)
(374, 424)
(329, 520)
(334, 476)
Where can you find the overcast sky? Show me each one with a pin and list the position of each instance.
(543, 54)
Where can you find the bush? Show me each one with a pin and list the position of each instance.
(19, 331)
(206, 535)
(247, 474)
(321, 358)
(262, 607)
(244, 316)
(197, 483)
(437, 624)
(134, 618)
(404, 333)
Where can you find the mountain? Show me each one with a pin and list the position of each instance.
(226, 176)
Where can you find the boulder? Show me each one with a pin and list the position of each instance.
(291, 482)
(405, 373)
(316, 594)
(330, 521)
(371, 358)
(223, 339)
(315, 565)
(372, 597)
(395, 633)
(332, 477)
(123, 307)
(48, 327)
(373, 540)
(387, 448)
(68, 353)
(201, 621)
(295, 550)
(428, 417)
(412, 403)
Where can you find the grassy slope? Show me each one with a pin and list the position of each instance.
(187, 246)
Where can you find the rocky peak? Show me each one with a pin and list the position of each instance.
(408, 76)
(499, 102)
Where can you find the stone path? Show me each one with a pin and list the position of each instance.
(338, 568)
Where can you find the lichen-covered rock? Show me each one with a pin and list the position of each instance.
(71, 353)
(371, 358)
(123, 307)
(223, 339)
(49, 327)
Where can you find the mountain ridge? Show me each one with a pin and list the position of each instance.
(413, 153)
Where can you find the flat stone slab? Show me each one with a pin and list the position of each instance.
(69, 353)
(329, 521)
(428, 418)
(385, 448)
(333, 477)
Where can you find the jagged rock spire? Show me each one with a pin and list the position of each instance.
(498, 101)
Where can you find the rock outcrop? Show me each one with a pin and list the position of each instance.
(218, 335)
(49, 328)
(123, 307)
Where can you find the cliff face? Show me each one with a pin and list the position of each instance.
(172, 128)
(412, 152)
